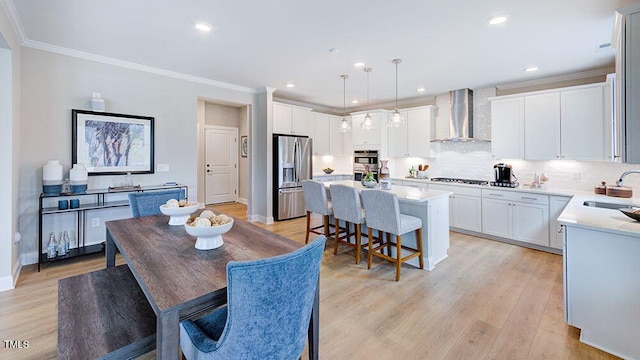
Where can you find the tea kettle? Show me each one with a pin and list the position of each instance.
(503, 173)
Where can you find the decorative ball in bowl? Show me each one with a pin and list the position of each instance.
(327, 170)
(178, 211)
(208, 229)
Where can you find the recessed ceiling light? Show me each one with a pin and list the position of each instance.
(358, 64)
(354, 101)
(498, 19)
(421, 89)
(203, 27)
(531, 69)
(290, 85)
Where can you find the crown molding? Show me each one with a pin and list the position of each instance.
(14, 19)
(558, 78)
(389, 105)
(133, 66)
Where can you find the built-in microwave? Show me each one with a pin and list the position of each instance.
(365, 157)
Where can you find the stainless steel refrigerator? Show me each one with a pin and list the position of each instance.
(291, 165)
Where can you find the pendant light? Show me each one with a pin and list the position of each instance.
(344, 124)
(368, 123)
(396, 120)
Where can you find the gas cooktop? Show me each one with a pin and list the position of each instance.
(461, 181)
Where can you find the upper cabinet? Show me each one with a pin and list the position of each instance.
(568, 123)
(327, 137)
(413, 139)
(507, 128)
(289, 119)
(370, 139)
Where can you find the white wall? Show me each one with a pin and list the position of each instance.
(54, 84)
(10, 98)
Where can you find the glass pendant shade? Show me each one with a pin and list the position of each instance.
(344, 125)
(368, 123)
(395, 120)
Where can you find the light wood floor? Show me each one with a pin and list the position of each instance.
(488, 300)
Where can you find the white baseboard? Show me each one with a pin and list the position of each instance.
(29, 258)
(260, 218)
(243, 201)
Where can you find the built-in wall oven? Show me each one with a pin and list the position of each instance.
(363, 159)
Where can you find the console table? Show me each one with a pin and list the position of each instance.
(89, 200)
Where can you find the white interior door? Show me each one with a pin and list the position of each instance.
(221, 164)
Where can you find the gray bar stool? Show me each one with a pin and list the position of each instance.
(347, 207)
(315, 201)
(382, 212)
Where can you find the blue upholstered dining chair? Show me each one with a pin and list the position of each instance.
(148, 202)
(268, 309)
(382, 211)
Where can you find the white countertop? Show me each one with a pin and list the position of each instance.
(575, 214)
(609, 220)
(404, 193)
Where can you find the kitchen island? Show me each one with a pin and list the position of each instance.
(602, 273)
(432, 207)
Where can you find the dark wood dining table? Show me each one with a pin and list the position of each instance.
(181, 282)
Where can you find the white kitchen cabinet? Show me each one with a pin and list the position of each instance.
(507, 128)
(556, 206)
(321, 134)
(602, 283)
(465, 206)
(542, 126)
(582, 124)
(568, 123)
(324, 178)
(516, 215)
(337, 138)
(413, 139)
(370, 139)
(289, 119)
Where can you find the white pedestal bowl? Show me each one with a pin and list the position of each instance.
(178, 215)
(208, 238)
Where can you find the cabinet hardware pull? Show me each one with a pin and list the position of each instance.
(528, 198)
(496, 195)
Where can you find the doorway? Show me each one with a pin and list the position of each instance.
(221, 164)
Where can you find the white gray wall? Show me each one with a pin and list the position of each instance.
(54, 84)
(10, 97)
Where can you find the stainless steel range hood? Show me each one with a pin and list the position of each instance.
(461, 119)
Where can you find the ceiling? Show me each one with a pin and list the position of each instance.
(443, 44)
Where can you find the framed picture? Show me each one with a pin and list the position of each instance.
(244, 147)
(112, 144)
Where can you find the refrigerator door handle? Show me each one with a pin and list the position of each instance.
(296, 160)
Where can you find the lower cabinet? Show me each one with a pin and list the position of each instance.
(465, 207)
(518, 216)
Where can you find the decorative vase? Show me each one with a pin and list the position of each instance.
(384, 170)
(79, 177)
(52, 177)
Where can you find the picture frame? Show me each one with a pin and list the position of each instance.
(112, 144)
(244, 146)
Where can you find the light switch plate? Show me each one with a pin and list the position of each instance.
(162, 167)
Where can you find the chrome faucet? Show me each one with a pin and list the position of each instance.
(619, 182)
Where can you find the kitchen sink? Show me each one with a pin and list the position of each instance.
(608, 205)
